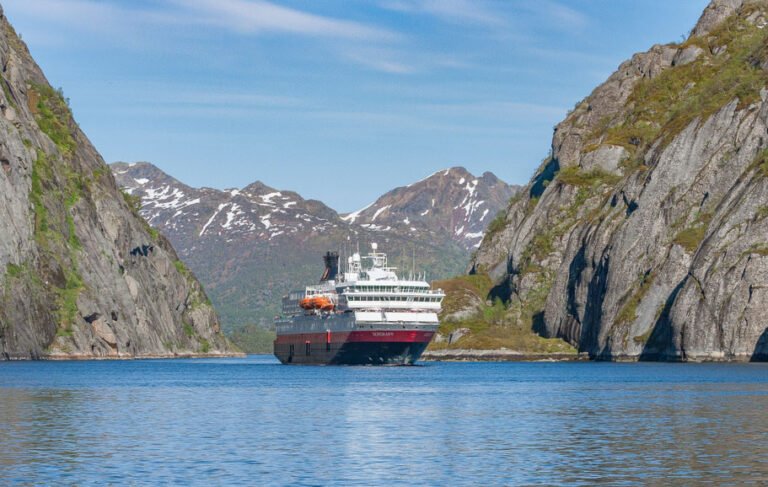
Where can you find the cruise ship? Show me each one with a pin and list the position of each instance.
(364, 315)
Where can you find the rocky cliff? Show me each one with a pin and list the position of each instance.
(250, 246)
(645, 234)
(82, 274)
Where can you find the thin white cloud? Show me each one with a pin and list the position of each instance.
(496, 109)
(457, 11)
(382, 60)
(85, 14)
(240, 16)
(172, 95)
(557, 14)
(256, 16)
(512, 16)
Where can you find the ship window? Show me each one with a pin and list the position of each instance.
(308, 345)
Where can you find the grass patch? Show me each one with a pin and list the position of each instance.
(188, 330)
(575, 176)
(762, 212)
(760, 164)
(179, 265)
(205, 346)
(40, 170)
(663, 106)
(66, 300)
(7, 93)
(133, 201)
(493, 325)
(757, 249)
(691, 237)
(497, 224)
(70, 202)
(13, 270)
(628, 312)
(53, 116)
(462, 291)
(134, 204)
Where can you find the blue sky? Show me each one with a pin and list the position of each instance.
(340, 100)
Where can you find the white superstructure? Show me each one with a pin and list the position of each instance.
(372, 290)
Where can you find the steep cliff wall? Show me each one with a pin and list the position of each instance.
(645, 234)
(81, 274)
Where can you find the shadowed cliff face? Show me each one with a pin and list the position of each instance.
(82, 275)
(647, 234)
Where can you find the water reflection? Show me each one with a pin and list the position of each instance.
(253, 422)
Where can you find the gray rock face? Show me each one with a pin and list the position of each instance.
(82, 274)
(660, 252)
(714, 14)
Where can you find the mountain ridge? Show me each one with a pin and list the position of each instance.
(272, 231)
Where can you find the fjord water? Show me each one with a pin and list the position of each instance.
(252, 421)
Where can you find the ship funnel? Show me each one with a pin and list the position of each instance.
(331, 260)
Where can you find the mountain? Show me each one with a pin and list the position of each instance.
(82, 274)
(644, 235)
(451, 203)
(252, 245)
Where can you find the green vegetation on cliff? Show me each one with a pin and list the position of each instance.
(488, 324)
(53, 116)
(659, 108)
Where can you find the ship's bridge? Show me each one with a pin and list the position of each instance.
(390, 294)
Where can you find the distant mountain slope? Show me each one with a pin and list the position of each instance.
(193, 216)
(249, 246)
(451, 202)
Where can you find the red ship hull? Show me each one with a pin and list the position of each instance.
(360, 347)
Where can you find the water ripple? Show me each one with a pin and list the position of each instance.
(202, 422)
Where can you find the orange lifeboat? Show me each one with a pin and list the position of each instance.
(323, 303)
(306, 303)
